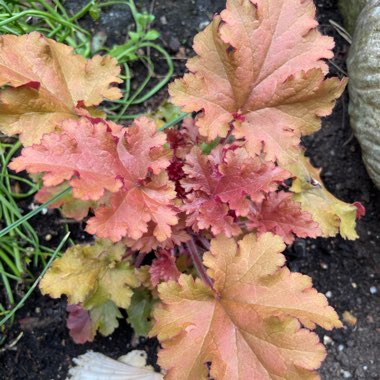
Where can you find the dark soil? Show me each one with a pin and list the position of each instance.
(347, 272)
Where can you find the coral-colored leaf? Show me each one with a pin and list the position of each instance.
(141, 149)
(163, 268)
(79, 324)
(227, 179)
(92, 275)
(49, 84)
(95, 156)
(231, 176)
(130, 211)
(148, 242)
(207, 213)
(84, 153)
(282, 216)
(147, 193)
(249, 325)
(260, 66)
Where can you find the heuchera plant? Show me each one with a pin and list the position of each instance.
(216, 199)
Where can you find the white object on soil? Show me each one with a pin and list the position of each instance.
(96, 366)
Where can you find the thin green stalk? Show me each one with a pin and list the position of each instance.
(165, 80)
(175, 121)
(46, 16)
(10, 264)
(16, 252)
(29, 292)
(33, 213)
(7, 285)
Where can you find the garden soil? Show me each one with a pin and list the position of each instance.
(38, 345)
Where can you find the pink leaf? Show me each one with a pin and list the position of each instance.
(84, 154)
(79, 324)
(163, 268)
(221, 186)
(148, 242)
(284, 217)
(130, 211)
(207, 213)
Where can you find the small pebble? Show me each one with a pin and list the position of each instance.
(202, 25)
(163, 20)
(328, 294)
(300, 248)
(48, 237)
(174, 43)
(373, 290)
(327, 340)
(341, 347)
(354, 285)
(346, 374)
(365, 367)
(324, 266)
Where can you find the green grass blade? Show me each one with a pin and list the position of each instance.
(29, 292)
(32, 213)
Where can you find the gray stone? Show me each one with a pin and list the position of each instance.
(364, 71)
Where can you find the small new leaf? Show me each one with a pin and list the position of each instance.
(249, 325)
(79, 324)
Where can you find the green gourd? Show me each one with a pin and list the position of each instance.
(364, 72)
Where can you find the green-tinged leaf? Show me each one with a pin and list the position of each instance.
(134, 36)
(208, 147)
(92, 275)
(95, 12)
(144, 19)
(333, 215)
(105, 318)
(166, 113)
(139, 312)
(152, 35)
